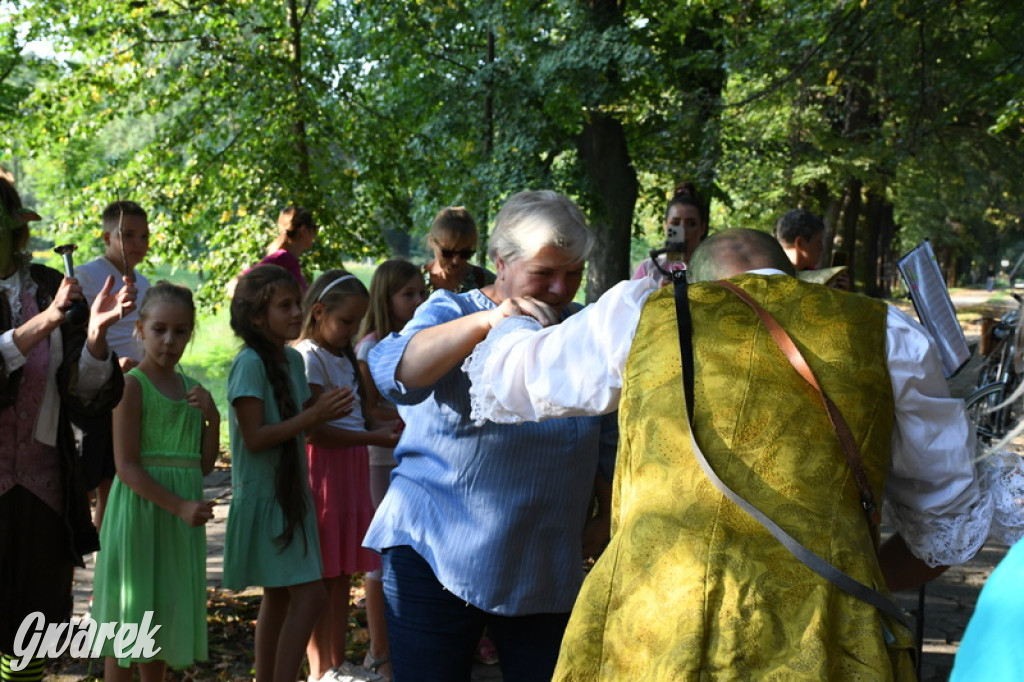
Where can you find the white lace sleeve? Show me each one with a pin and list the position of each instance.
(1004, 475)
(934, 493)
(480, 364)
(523, 373)
(942, 539)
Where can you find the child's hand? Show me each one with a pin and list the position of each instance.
(200, 398)
(196, 512)
(333, 403)
(386, 436)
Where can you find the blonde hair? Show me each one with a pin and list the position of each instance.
(388, 279)
(455, 221)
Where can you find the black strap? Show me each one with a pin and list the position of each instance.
(814, 562)
(685, 324)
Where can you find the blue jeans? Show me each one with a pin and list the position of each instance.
(433, 634)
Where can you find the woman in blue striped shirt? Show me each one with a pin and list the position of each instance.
(483, 524)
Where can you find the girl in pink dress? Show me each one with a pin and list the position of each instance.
(339, 472)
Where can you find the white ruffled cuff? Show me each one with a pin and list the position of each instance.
(943, 539)
(1004, 473)
(484, 377)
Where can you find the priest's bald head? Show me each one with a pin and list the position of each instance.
(734, 252)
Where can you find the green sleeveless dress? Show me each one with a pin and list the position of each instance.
(151, 560)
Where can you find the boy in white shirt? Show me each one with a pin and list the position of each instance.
(126, 236)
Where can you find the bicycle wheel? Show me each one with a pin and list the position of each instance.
(988, 423)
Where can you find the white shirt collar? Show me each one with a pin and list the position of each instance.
(765, 271)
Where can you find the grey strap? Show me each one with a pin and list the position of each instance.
(809, 558)
(814, 562)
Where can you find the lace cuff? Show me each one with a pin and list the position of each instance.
(1003, 471)
(484, 403)
(942, 539)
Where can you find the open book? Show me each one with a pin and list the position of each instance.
(928, 291)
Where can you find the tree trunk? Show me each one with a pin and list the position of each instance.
(848, 218)
(829, 208)
(613, 190)
(871, 238)
(886, 234)
(299, 125)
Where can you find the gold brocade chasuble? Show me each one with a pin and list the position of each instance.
(691, 587)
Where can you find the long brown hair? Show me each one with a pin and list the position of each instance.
(255, 290)
(388, 279)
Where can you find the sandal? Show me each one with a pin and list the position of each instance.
(373, 664)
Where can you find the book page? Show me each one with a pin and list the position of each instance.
(920, 271)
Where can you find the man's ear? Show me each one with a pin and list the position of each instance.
(106, 238)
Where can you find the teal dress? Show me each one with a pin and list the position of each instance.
(151, 560)
(251, 557)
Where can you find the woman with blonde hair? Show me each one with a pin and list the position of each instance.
(453, 239)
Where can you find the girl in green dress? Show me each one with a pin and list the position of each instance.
(166, 434)
(271, 538)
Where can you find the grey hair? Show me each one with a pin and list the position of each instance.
(734, 252)
(531, 220)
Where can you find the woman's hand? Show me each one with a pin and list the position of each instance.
(195, 512)
(108, 308)
(525, 305)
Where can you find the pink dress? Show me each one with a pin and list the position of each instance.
(339, 476)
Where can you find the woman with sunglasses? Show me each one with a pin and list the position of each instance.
(452, 237)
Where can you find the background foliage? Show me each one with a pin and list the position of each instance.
(895, 120)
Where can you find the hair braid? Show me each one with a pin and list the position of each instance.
(253, 294)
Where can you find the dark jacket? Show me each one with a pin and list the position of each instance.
(82, 536)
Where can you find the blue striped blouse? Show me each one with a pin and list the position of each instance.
(496, 510)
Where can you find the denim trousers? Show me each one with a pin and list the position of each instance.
(433, 633)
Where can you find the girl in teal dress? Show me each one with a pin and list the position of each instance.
(271, 538)
(153, 558)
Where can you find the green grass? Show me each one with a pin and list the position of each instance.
(208, 359)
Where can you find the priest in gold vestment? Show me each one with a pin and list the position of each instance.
(691, 587)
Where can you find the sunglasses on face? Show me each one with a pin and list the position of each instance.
(464, 254)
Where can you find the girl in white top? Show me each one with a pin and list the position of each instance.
(338, 463)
